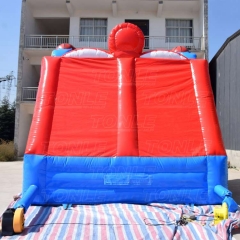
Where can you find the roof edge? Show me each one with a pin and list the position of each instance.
(228, 40)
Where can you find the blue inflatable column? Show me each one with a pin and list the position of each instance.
(28, 198)
(226, 195)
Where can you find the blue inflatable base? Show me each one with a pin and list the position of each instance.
(140, 180)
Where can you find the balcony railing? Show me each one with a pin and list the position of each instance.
(29, 93)
(151, 42)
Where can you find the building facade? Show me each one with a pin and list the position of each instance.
(46, 24)
(225, 72)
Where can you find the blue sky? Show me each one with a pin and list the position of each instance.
(9, 39)
(224, 20)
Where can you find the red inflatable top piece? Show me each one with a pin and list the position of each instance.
(126, 39)
(65, 46)
(180, 49)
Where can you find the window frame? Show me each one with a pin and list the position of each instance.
(93, 27)
(179, 30)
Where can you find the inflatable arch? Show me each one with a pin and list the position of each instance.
(124, 126)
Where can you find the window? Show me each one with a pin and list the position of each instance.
(178, 30)
(93, 29)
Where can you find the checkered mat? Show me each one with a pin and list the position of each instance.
(124, 221)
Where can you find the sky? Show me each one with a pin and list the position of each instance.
(10, 12)
(224, 20)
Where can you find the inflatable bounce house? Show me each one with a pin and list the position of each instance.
(123, 126)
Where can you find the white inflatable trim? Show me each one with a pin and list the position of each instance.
(162, 54)
(88, 53)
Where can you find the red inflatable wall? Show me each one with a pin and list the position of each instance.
(125, 107)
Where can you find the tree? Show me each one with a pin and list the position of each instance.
(7, 119)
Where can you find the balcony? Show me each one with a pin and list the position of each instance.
(195, 44)
(29, 93)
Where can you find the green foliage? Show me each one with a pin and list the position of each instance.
(7, 119)
(7, 151)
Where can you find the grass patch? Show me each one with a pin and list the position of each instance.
(7, 151)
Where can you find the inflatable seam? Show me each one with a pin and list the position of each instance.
(198, 106)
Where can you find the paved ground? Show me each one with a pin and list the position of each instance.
(11, 184)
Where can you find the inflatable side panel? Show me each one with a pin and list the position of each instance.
(125, 179)
(40, 131)
(213, 143)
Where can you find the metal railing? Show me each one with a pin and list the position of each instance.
(151, 42)
(167, 43)
(29, 93)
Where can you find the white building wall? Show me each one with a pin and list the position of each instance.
(201, 25)
(201, 19)
(74, 26)
(156, 24)
(57, 12)
(32, 25)
(26, 113)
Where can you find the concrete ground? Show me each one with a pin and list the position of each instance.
(11, 184)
